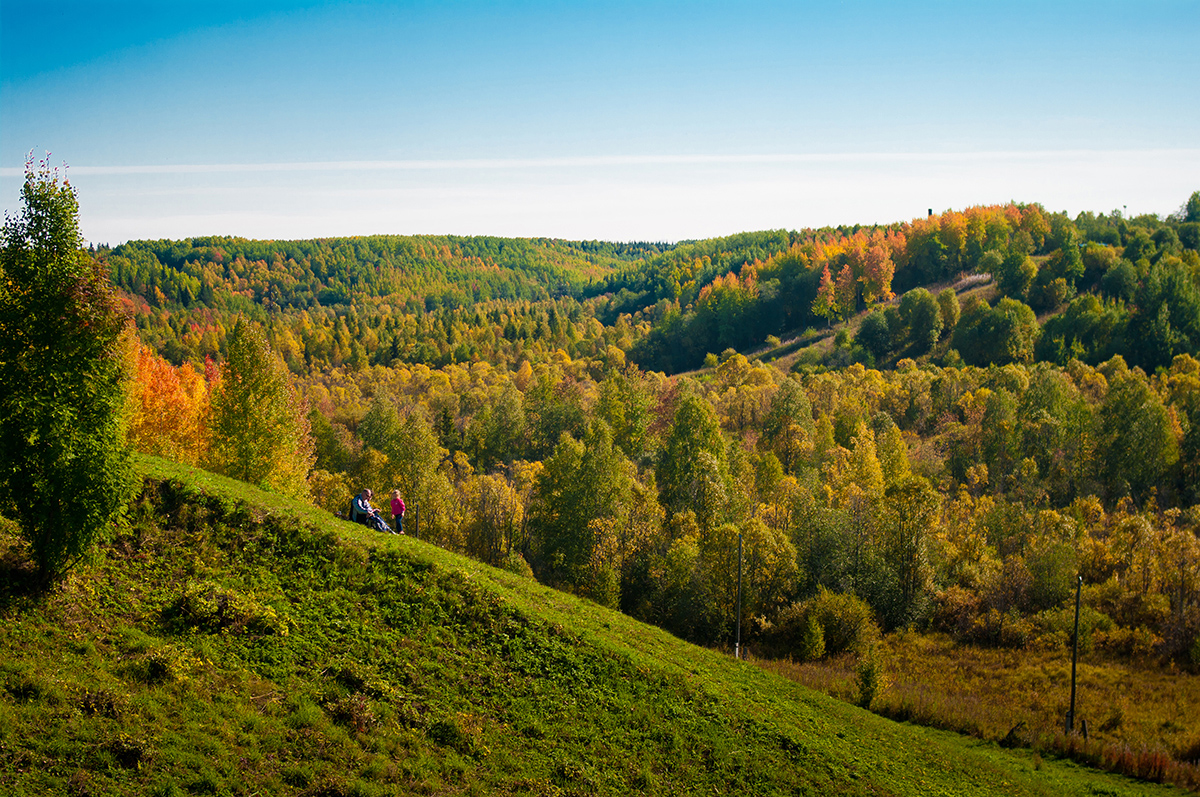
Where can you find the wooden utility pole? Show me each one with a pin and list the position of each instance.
(1074, 657)
(737, 645)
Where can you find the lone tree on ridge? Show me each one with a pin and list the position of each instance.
(65, 469)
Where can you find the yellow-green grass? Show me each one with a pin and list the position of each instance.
(408, 669)
(1143, 710)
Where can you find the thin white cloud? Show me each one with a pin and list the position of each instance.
(601, 161)
(645, 197)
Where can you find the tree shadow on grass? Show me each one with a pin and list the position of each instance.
(21, 584)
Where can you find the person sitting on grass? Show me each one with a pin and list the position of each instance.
(362, 512)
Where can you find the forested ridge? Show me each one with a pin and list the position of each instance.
(950, 461)
(1101, 285)
(185, 294)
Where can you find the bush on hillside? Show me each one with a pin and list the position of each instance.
(869, 676)
(516, 563)
(812, 640)
(207, 606)
(845, 624)
(955, 611)
(846, 620)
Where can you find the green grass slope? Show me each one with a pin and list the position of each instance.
(231, 642)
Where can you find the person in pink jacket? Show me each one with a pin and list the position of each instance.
(398, 511)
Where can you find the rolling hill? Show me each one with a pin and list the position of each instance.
(228, 641)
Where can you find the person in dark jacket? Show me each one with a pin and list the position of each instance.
(362, 512)
(360, 507)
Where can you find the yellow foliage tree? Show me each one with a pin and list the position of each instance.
(259, 429)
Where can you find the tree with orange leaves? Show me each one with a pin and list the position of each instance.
(846, 289)
(169, 407)
(878, 271)
(826, 305)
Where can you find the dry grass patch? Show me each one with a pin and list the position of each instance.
(1142, 719)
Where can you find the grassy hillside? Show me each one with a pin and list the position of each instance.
(231, 642)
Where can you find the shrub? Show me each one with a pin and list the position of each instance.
(956, 610)
(1126, 641)
(846, 620)
(1055, 627)
(1190, 752)
(353, 711)
(1005, 629)
(460, 732)
(349, 677)
(516, 563)
(812, 640)
(1053, 569)
(125, 750)
(830, 623)
(160, 665)
(330, 491)
(869, 677)
(207, 606)
(101, 702)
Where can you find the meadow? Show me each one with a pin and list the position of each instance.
(1141, 719)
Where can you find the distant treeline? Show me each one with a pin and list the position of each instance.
(418, 271)
(1101, 285)
(1107, 285)
(357, 301)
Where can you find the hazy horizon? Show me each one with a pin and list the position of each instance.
(618, 121)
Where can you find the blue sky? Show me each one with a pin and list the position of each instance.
(624, 121)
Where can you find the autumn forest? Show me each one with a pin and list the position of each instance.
(947, 418)
(938, 425)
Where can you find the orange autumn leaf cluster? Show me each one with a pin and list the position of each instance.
(857, 270)
(169, 408)
(853, 268)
